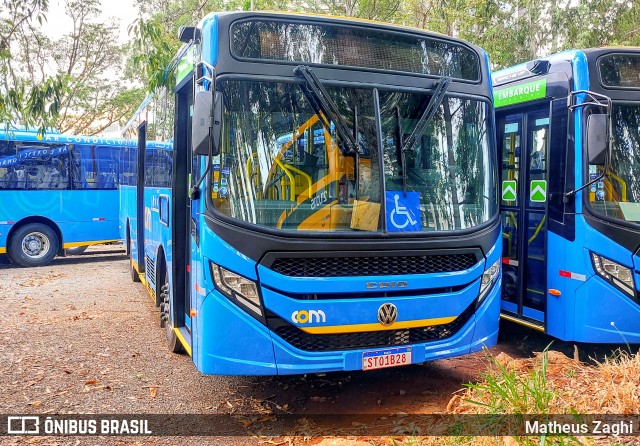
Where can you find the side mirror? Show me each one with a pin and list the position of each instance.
(597, 138)
(207, 115)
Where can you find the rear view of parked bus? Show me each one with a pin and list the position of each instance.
(58, 192)
(334, 197)
(569, 137)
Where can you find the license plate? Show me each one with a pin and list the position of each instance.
(381, 359)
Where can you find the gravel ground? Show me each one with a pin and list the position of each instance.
(78, 336)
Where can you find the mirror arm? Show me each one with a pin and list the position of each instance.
(597, 100)
(194, 194)
(568, 195)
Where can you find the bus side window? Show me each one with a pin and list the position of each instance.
(78, 174)
(40, 166)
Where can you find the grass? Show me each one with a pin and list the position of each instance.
(509, 391)
(552, 383)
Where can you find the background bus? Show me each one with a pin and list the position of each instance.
(571, 235)
(343, 214)
(57, 192)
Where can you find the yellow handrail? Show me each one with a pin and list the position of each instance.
(292, 180)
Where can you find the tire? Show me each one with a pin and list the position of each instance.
(134, 273)
(35, 244)
(77, 250)
(165, 319)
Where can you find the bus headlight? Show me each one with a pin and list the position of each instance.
(237, 288)
(614, 273)
(489, 277)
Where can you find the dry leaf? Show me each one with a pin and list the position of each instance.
(452, 403)
(154, 391)
(90, 382)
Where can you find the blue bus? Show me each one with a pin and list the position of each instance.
(333, 196)
(57, 193)
(568, 130)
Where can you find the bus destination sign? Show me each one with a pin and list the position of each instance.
(520, 93)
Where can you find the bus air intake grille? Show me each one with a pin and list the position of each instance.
(372, 266)
(151, 269)
(365, 340)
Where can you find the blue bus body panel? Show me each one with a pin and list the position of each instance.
(226, 340)
(364, 311)
(128, 218)
(594, 310)
(264, 353)
(209, 27)
(157, 234)
(81, 215)
(559, 308)
(80, 200)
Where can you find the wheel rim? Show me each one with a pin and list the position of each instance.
(36, 245)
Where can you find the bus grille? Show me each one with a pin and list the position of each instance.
(371, 339)
(372, 266)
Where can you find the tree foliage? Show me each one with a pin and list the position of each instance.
(511, 31)
(34, 104)
(82, 82)
(87, 63)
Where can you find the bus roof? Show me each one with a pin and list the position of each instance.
(333, 19)
(328, 17)
(563, 56)
(75, 139)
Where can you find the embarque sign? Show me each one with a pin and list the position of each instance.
(520, 93)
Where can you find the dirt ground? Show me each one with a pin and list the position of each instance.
(78, 336)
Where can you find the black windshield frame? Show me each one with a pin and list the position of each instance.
(214, 214)
(587, 205)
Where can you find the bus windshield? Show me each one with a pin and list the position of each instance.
(283, 166)
(618, 196)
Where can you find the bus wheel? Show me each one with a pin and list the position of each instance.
(34, 244)
(77, 250)
(165, 319)
(134, 273)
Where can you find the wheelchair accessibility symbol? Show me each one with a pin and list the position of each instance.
(403, 212)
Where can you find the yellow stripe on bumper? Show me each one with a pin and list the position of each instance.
(94, 242)
(356, 328)
(3, 250)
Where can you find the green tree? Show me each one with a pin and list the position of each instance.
(22, 100)
(89, 62)
(595, 23)
(511, 31)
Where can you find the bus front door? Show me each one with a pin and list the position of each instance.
(523, 147)
(182, 229)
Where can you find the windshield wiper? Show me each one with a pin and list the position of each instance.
(423, 122)
(324, 106)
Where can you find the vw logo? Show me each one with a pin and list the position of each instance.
(387, 314)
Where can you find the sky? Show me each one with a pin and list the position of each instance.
(59, 24)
